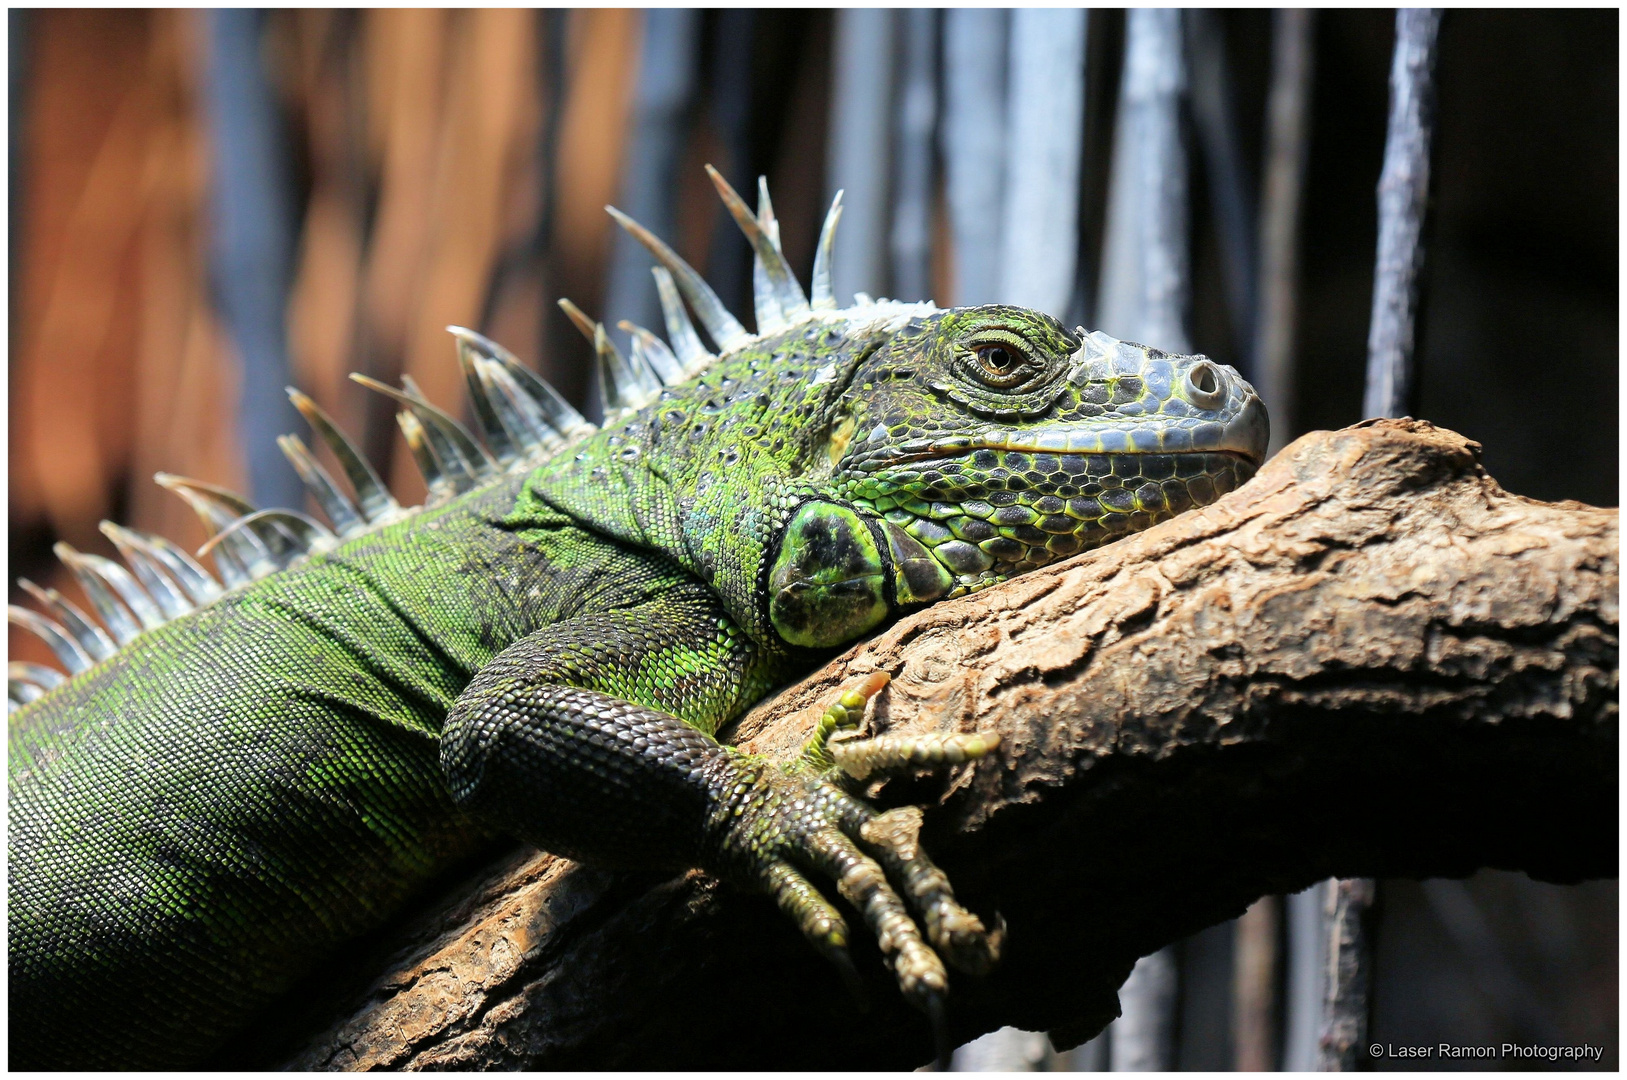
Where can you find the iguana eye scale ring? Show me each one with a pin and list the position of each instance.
(247, 769)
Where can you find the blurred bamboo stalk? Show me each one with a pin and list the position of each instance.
(860, 158)
(485, 127)
(1254, 986)
(322, 301)
(406, 54)
(1403, 192)
(603, 47)
(657, 126)
(910, 239)
(1305, 979)
(1145, 285)
(1045, 118)
(1143, 1037)
(17, 72)
(93, 114)
(1287, 139)
(519, 289)
(973, 142)
(253, 233)
(184, 380)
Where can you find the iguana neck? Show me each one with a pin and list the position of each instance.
(710, 471)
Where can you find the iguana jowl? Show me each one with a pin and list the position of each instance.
(235, 780)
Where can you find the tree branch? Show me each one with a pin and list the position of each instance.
(1368, 661)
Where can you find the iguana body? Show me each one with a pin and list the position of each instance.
(199, 819)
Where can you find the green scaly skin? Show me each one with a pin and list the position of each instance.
(198, 821)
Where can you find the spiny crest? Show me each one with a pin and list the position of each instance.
(522, 422)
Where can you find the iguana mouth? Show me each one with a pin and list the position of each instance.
(1236, 439)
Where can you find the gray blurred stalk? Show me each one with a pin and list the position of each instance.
(1145, 288)
(973, 140)
(1306, 979)
(1403, 188)
(1286, 138)
(1045, 115)
(860, 158)
(914, 175)
(252, 242)
(649, 182)
(1254, 986)
(1144, 297)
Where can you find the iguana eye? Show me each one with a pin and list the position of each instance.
(1000, 364)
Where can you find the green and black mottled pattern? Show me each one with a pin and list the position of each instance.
(197, 821)
(262, 780)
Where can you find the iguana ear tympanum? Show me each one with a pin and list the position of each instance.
(245, 769)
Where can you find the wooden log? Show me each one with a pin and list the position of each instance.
(1371, 618)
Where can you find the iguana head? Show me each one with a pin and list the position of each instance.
(842, 465)
(978, 443)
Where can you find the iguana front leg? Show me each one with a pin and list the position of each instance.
(590, 738)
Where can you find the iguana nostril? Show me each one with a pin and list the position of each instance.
(1204, 385)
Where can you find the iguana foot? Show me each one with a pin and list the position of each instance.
(593, 775)
(777, 823)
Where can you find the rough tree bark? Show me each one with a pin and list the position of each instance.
(1368, 661)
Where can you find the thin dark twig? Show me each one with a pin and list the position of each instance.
(1344, 1030)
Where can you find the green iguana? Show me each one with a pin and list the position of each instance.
(240, 775)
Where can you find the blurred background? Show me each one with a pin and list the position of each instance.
(208, 206)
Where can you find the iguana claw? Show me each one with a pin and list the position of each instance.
(780, 820)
